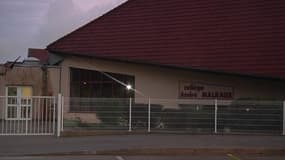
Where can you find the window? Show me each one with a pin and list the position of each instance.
(86, 84)
(19, 103)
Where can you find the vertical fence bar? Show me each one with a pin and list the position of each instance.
(10, 122)
(4, 111)
(3, 114)
(46, 116)
(49, 115)
(13, 126)
(30, 102)
(148, 128)
(42, 114)
(62, 105)
(216, 115)
(34, 114)
(283, 133)
(26, 115)
(21, 114)
(58, 114)
(39, 113)
(130, 115)
(19, 121)
(53, 118)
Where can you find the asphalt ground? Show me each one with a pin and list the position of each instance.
(117, 158)
(139, 158)
(143, 145)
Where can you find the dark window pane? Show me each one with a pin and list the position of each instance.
(96, 77)
(88, 84)
(96, 90)
(75, 90)
(120, 77)
(106, 79)
(119, 90)
(12, 91)
(75, 75)
(84, 90)
(107, 90)
(84, 75)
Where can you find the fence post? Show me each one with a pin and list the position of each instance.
(130, 115)
(59, 105)
(148, 128)
(216, 115)
(283, 133)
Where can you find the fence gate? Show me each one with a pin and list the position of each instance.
(34, 115)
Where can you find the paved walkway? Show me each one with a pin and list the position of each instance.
(20, 145)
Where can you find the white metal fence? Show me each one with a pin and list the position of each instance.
(34, 115)
(152, 115)
(39, 115)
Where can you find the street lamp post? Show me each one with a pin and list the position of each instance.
(129, 87)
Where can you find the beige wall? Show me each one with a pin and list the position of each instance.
(158, 82)
(163, 83)
(30, 76)
(21, 75)
(54, 80)
(153, 81)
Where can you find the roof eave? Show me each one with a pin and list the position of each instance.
(167, 65)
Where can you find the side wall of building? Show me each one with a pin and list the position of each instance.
(159, 82)
(163, 83)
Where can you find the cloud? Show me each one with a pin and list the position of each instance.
(19, 21)
(37, 23)
(59, 19)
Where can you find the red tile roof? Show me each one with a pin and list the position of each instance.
(243, 37)
(41, 54)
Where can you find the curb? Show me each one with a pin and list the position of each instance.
(193, 151)
(174, 152)
(83, 133)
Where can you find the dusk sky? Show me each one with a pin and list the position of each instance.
(36, 23)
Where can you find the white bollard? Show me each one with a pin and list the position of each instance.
(148, 128)
(216, 116)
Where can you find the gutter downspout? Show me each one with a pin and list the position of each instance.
(44, 80)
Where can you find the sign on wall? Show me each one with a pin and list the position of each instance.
(193, 90)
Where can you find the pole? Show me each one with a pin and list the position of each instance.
(216, 115)
(130, 115)
(148, 129)
(59, 101)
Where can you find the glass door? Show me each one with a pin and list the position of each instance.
(18, 103)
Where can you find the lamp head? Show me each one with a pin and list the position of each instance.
(129, 87)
